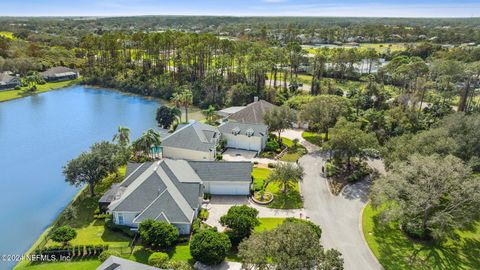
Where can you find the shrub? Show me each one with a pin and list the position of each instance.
(178, 265)
(158, 259)
(219, 156)
(271, 165)
(17, 87)
(272, 145)
(70, 213)
(209, 247)
(118, 228)
(107, 253)
(330, 169)
(158, 233)
(240, 220)
(63, 234)
(203, 215)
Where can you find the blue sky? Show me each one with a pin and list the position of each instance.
(351, 8)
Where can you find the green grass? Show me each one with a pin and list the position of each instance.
(8, 35)
(314, 138)
(267, 224)
(41, 88)
(290, 200)
(294, 152)
(395, 251)
(73, 265)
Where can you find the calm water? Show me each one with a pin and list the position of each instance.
(38, 135)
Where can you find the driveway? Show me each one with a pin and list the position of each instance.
(338, 216)
(219, 206)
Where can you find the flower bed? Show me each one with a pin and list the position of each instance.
(262, 198)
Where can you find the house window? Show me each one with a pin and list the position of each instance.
(120, 218)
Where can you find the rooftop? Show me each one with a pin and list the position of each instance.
(194, 136)
(252, 113)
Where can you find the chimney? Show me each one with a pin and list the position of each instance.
(255, 99)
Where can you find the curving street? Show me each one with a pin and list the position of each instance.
(338, 216)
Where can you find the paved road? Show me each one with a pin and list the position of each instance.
(338, 216)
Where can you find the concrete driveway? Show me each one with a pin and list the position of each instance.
(232, 154)
(219, 206)
(338, 216)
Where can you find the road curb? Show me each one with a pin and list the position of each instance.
(360, 226)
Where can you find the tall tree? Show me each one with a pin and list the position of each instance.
(286, 174)
(123, 136)
(323, 111)
(279, 118)
(290, 246)
(430, 196)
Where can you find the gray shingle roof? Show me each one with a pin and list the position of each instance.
(252, 113)
(116, 263)
(223, 171)
(194, 136)
(165, 190)
(133, 171)
(58, 72)
(6, 78)
(247, 129)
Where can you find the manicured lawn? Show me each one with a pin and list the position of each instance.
(294, 152)
(74, 265)
(290, 200)
(267, 224)
(395, 251)
(314, 138)
(13, 94)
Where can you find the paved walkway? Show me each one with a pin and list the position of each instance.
(338, 216)
(219, 206)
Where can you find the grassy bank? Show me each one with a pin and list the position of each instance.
(41, 88)
(396, 251)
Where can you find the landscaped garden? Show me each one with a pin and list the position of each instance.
(291, 199)
(313, 137)
(395, 250)
(294, 152)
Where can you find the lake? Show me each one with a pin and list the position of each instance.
(38, 135)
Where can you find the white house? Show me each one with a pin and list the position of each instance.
(172, 190)
(244, 136)
(194, 141)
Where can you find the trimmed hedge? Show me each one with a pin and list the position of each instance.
(90, 251)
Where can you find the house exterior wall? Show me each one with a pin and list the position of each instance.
(179, 153)
(183, 228)
(244, 142)
(128, 218)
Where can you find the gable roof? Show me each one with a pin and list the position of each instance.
(247, 129)
(6, 78)
(252, 113)
(194, 136)
(159, 194)
(238, 171)
(59, 71)
(116, 263)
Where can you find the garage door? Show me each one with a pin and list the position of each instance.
(229, 189)
(245, 144)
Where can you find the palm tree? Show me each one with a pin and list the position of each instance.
(209, 113)
(177, 99)
(122, 136)
(147, 141)
(286, 174)
(185, 99)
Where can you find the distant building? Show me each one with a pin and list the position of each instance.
(57, 74)
(8, 81)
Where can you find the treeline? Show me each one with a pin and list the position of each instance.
(275, 29)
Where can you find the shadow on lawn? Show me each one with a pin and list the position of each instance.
(399, 252)
(289, 200)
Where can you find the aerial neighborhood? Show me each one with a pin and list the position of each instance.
(239, 142)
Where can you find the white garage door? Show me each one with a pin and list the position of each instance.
(243, 143)
(229, 189)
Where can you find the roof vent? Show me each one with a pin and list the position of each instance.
(236, 131)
